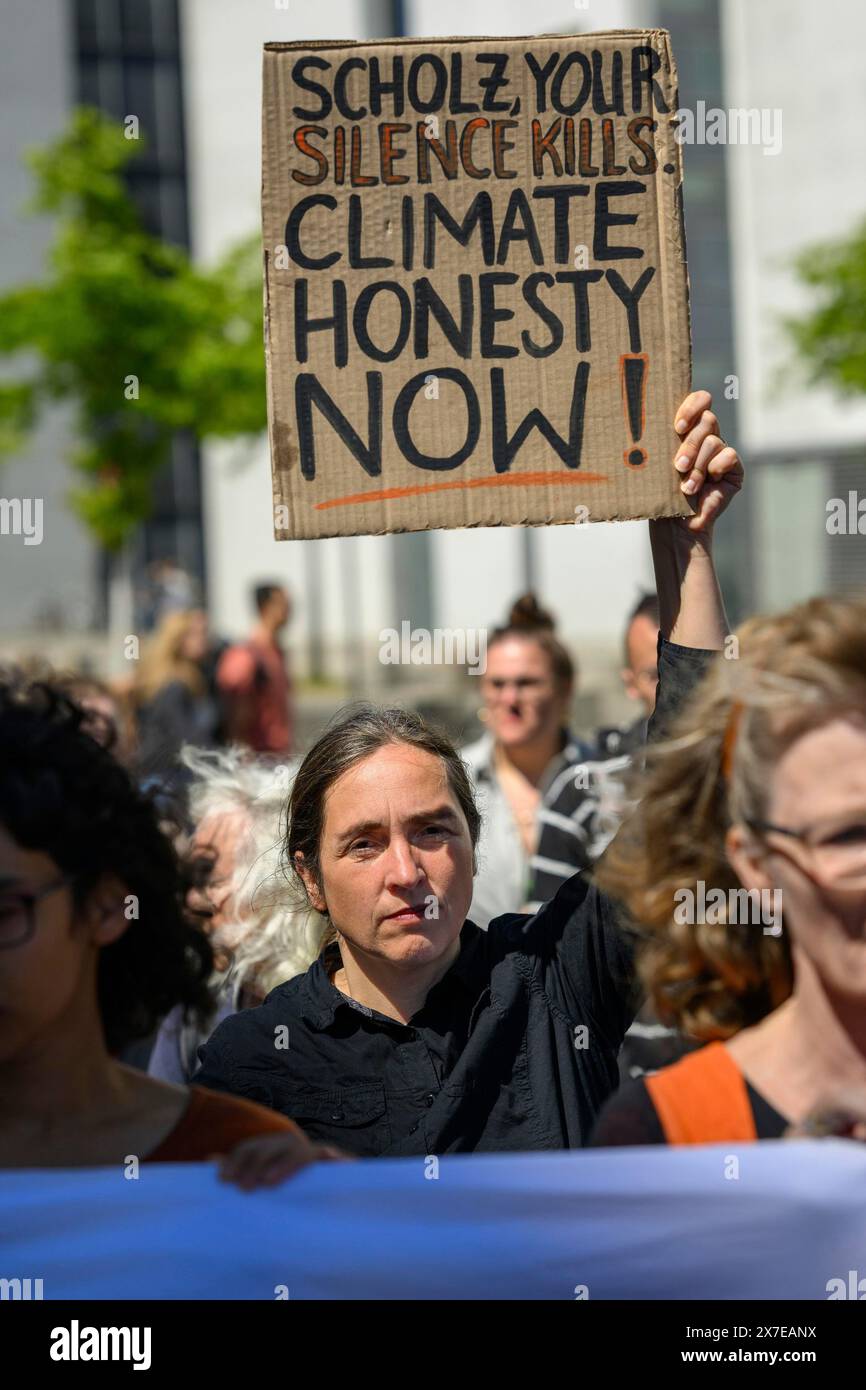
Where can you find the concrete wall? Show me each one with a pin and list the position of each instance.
(813, 191)
(47, 586)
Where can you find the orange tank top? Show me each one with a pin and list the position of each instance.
(702, 1099)
(213, 1124)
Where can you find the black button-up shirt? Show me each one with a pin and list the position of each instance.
(514, 1048)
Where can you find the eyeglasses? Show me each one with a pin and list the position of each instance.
(838, 857)
(18, 912)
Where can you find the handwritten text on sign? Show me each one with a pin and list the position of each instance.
(474, 269)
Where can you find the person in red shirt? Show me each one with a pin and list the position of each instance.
(254, 681)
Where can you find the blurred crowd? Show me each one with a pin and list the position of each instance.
(178, 885)
(190, 688)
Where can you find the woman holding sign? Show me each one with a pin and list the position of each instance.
(415, 1032)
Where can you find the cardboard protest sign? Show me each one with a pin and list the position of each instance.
(476, 299)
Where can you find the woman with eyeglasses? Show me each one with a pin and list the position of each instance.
(746, 868)
(95, 947)
(526, 688)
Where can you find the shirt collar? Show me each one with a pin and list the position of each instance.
(321, 999)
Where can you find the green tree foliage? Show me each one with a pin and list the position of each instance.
(125, 327)
(830, 339)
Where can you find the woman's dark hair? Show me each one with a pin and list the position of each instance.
(528, 619)
(79, 688)
(350, 739)
(64, 795)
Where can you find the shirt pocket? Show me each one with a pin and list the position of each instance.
(355, 1119)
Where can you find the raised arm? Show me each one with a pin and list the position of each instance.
(583, 958)
(691, 610)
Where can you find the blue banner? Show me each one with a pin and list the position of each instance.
(782, 1220)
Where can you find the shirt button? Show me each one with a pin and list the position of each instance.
(413, 1129)
(337, 1115)
(428, 1100)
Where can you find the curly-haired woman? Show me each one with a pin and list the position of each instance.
(756, 805)
(94, 949)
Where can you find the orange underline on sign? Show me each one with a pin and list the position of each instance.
(389, 494)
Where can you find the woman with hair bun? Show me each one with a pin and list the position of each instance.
(745, 866)
(526, 688)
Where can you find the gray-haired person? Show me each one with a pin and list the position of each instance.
(261, 935)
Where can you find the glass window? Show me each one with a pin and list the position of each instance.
(129, 64)
(87, 23)
(145, 192)
(138, 83)
(173, 210)
(111, 96)
(790, 510)
(88, 83)
(135, 23)
(164, 24)
(168, 135)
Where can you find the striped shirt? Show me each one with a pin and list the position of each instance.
(502, 883)
(582, 810)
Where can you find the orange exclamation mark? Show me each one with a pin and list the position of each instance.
(633, 369)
